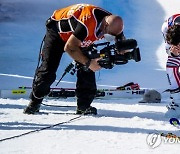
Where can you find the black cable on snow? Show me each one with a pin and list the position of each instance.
(38, 130)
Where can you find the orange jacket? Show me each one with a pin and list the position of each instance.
(83, 13)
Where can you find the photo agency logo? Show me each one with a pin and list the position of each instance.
(155, 139)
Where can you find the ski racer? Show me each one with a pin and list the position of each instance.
(171, 33)
(69, 29)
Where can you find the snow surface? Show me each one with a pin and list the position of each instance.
(122, 125)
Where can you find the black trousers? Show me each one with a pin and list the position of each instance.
(52, 52)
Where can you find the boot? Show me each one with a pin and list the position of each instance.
(33, 106)
(85, 111)
(174, 106)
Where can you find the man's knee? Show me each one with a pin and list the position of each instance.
(41, 86)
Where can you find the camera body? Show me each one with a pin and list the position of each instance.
(111, 54)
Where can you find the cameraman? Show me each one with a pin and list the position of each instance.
(69, 29)
(171, 32)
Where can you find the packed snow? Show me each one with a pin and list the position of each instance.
(122, 125)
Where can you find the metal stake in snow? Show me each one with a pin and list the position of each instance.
(67, 70)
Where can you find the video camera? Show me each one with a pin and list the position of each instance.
(111, 54)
